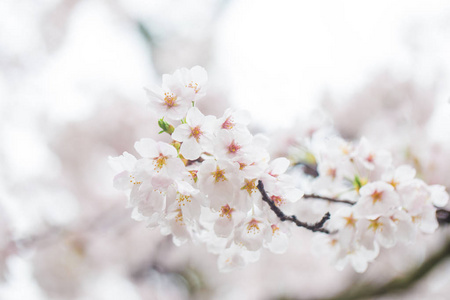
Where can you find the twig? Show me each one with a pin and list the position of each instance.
(316, 227)
(443, 216)
(328, 199)
(308, 169)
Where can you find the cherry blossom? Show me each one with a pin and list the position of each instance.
(172, 102)
(194, 79)
(195, 135)
(215, 183)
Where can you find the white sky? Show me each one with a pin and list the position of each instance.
(281, 56)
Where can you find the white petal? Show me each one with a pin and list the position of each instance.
(405, 173)
(279, 165)
(154, 92)
(146, 148)
(439, 196)
(167, 149)
(122, 181)
(177, 112)
(279, 243)
(190, 149)
(428, 222)
(181, 133)
(199, 75)
(194, 117)
(358, 262)
(387, 237)
(209, 124)
(223, 227)
(124, 162)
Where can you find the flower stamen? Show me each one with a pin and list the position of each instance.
(170, 100)
(219, 175)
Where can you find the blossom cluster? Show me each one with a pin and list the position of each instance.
(202, 185)
(389, 204)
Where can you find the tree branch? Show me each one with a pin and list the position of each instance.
(328, 199)
(316, 227)
(442, 215)
(308, 169)
(397, 284)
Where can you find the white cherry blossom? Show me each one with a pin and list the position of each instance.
(252, 233)
(163, 157)
(279, 241)
(235, 121)
(172, 101)
(220, 181)
(196, 135)
(194, 79)
(377, 198)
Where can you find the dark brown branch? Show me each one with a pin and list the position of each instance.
(313, 227)
(397, 285)
(308, 169)
(443, 216)
(328, 199)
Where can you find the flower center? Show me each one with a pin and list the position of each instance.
(183, 199)
(275, 228)
(376, 197)
(193, 85)
(233, 147)
(249, 186)
(160, 161)
(351, 221)
(170, 100)
(226, 211)
(277, 200)
(332, 173)
(228, 124)
(252, 226)
(194, 174)
(375, 225)
(393, 183)
(196, 133)
(179, 217)
(219, 175)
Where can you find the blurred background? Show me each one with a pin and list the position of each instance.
(72, 74)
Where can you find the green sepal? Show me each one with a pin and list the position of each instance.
(166, 127)
(357, 182)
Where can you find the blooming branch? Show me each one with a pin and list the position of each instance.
(206, 180)
(442, 215)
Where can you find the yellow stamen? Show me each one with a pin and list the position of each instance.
(219, 175)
